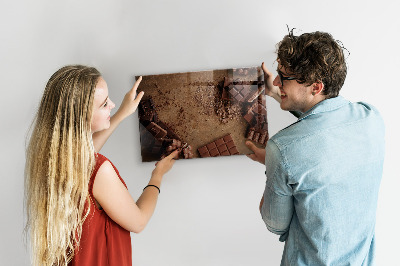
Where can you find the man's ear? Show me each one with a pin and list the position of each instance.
(317, 88)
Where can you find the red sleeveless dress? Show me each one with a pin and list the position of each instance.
(103, 241)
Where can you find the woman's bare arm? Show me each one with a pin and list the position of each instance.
(114, 198)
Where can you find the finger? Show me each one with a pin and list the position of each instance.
(265, 69)
(136, 85)
(251, 146)
(139, 96)
(252, 156)
(172, 155)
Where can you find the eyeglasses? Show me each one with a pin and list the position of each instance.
(282, 78)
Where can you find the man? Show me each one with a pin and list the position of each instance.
(323, 171)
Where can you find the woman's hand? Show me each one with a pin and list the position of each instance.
(128, 106)
(163, 166)
(270, 89)
(131, 101)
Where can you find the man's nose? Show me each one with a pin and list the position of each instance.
(277, 81)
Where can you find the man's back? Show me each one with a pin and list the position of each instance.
(328, 165)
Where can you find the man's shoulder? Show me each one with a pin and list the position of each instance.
(367, 108)
(367, 113)
(323, 122)
(289, 135)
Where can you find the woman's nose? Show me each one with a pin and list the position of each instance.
(112, 105)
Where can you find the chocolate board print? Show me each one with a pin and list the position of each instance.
(202, 114)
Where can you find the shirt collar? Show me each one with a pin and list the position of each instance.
(325, 106)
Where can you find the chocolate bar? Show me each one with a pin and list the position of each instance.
(170, 133)
(244, 91)
(157, 131)
(258, 135)
(220, 147)
(256, 114)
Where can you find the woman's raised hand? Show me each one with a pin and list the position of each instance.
(131, 100)
(164, 165)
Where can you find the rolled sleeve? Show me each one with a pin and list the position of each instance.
(277, 209)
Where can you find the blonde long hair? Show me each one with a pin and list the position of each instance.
(59, 161)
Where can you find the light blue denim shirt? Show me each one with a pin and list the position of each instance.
(323, 175)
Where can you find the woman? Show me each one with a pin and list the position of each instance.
(78, 207)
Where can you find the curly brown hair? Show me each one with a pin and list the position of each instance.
(314, 57)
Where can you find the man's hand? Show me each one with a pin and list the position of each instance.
(270, 89)
(258, 155)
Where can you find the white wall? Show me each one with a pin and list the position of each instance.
(208, 209)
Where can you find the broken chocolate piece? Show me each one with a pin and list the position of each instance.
(249, 118)
(185, 150)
